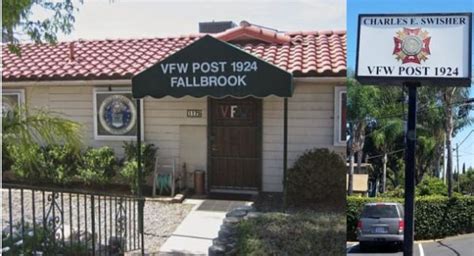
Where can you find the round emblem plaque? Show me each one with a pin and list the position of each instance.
(117, 114)
(412, 45)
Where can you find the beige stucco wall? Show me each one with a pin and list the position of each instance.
(311, 123)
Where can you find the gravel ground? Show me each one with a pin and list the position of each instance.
(160, 219)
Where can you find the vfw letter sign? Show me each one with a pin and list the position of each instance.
(434, 49)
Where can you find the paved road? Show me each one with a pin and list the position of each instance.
(456, 246)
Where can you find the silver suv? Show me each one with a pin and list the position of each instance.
(380, 223)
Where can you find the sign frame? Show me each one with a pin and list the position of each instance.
(110, 137)
(428, 81)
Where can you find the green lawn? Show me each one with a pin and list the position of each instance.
(302, 233)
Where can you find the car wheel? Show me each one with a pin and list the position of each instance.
(363, 246)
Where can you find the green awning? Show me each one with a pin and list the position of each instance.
(210, 67)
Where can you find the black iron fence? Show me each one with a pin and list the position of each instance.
(46, 221)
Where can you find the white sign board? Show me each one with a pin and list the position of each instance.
(434, 49)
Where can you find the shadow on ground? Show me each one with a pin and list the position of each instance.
(375, 249)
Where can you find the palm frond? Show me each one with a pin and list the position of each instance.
(40, 126)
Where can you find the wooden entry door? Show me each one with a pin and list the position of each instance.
(235, 144)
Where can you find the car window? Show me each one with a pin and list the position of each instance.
(380, 211)
(400, 208)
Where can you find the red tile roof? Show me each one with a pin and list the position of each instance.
(305, 54)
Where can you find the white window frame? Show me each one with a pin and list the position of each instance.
(338, 91)
(20, 93)
(99, 90)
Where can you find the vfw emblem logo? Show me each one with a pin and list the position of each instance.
(117, 114)
(412, 45)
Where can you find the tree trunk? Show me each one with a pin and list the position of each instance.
(449, 131)
(358, 143)
(445, 159)
(359, 161)
(449, 167)
(376, 187)
(439, 153)
(384, 177)
(350, 189)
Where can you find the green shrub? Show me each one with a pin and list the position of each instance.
(435, 216)
(430, 186)
(61, 162)
(23, 167)
(98, 165)
(55, 164)
(398, 192)
(466, 183)
(6, 158)
(317, 179)
(41, 240)
(148, 155)
(129, 173)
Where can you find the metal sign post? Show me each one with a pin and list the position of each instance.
(408, 232)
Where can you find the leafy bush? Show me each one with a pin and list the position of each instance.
(61, 162)
(317, 179)
(98, 165)
(53, 163)
(398, 192)
(466, 183)
(40, 241)
(23, 167)
(148, 155)
(7, 161)
(435, 216)
(431, 186)
(129, 173)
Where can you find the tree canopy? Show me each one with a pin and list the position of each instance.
(19, 24)
(377, 117)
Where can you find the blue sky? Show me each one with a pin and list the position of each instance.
(355, 7)
(99, 19)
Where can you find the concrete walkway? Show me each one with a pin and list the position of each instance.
(194, 235)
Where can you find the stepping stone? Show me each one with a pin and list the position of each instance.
(225, 233)
(230, 246)
(252, 215)
(219, 242)
(247, 208)
(231, 221)
(237, 213)
(216, 250)
(231, 252)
